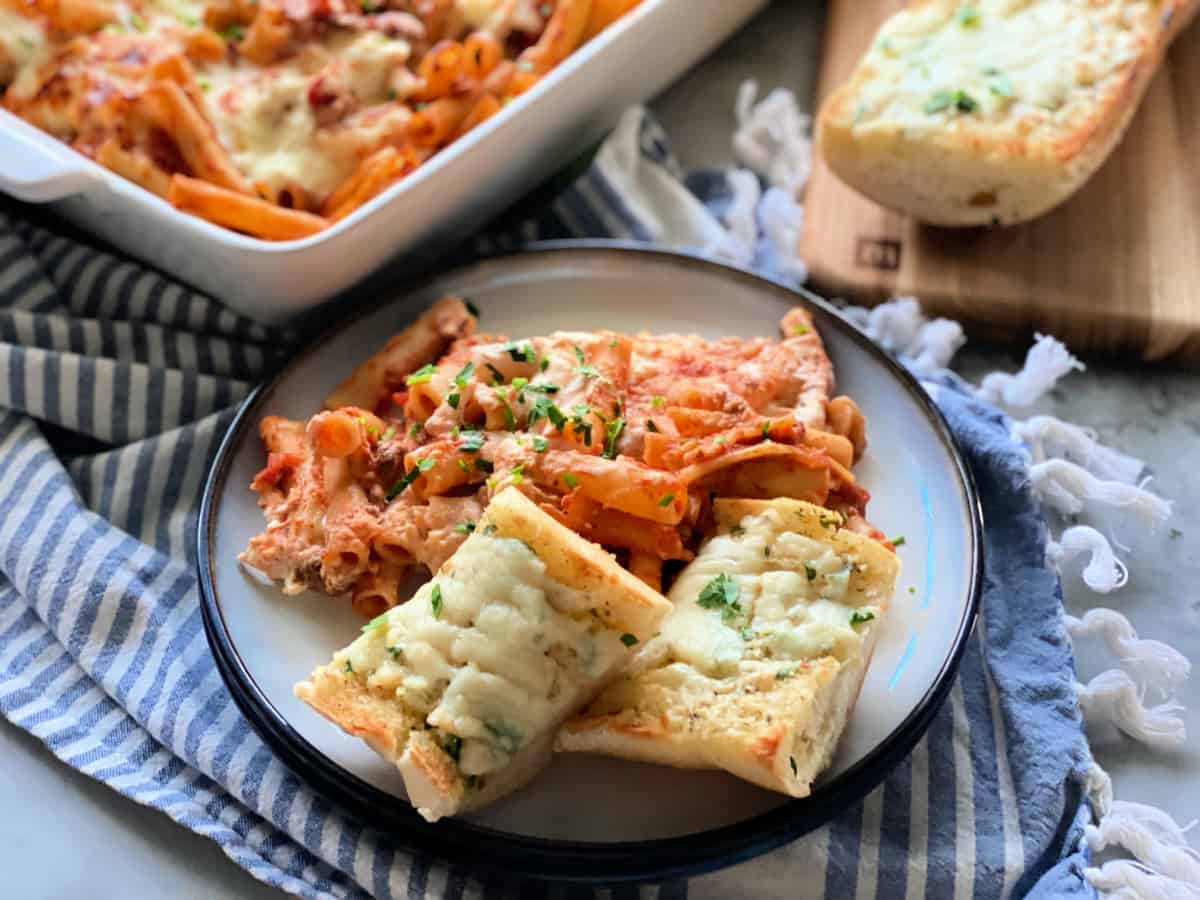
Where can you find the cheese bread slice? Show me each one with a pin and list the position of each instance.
(464, 686)
(977, 112)
(759, 664)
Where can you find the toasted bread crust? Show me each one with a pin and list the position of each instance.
(775, 729)
(973, 170)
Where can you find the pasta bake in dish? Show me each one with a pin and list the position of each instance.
(556, 486)
(277, 118)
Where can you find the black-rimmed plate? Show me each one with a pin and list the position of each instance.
(590, 818)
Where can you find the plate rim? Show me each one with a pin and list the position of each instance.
(481, 848)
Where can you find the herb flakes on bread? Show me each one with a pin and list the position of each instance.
(757, 667)
(993, 111)
(463, 687)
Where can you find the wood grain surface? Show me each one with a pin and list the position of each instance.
(1116, 269)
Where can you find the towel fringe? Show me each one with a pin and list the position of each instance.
(1152, 664)
(1051, 438)
(1104, 573)
(1046, 363)
(1151, 836)
(773, 137)
(1067, 487)
(1122, 879)
(899, 326)
(1113, 697)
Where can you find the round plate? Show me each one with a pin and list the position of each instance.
(591, 818)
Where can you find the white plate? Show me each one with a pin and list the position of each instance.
(453, 194)
(266, 642)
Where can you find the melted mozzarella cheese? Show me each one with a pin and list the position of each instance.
(502, 655)
(793, 604)
(266, 121)
(24, 47)
(995, 58)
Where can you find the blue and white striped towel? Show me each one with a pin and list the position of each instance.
(115, 388)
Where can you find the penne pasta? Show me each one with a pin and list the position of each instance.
(242, 213)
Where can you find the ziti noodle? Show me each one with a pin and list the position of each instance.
(276, 118)
(625, 439)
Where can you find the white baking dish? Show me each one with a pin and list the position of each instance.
(455, 192)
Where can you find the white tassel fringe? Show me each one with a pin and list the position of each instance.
(1048, 360)
(773, 137)
(899, 326)
(1066, 487)
(1104, 573)
(1113, 697)
(1152, 664)
(1151, 835)
(1051, 438)
(1122, 879)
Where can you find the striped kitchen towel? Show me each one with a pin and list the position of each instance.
(115, 388)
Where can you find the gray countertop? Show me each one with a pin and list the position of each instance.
(66, 836)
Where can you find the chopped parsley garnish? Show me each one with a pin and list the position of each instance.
(516, 476)
(435, 600)
(465, 527)
(719, 440)
(520, 351)
(544, 388)
(423, 465)
(348, 668)
(525, 66)
(784, 674)
(462, 464)
(588, 371)
(612, 431)
(510, 421)
(579, 355)
(397, 653)
(464, 374)
(497, 375)
(968, 17)
(628, 640)
(737, 531)
(471, 308)
(415, 430)
(766, 429)
(795, 771)
(472, 442)
(519, 384)
(540, 444)
(570, 480)
(376, 622)
(579, 422)
(898, 540)
(422, 375)
(484, 465)
(392, 94)
(799, 330)
(666, 500)
(612, 343)
(453, 399)
(959, 100)
(658, 402)
(544, 364)
(452, 744)
(811, 571)
(650, 426)
(767, 552)
(746, 634)
(999, 84)
(389, 434)
(721, 593)
(859, 616)
(829, 523)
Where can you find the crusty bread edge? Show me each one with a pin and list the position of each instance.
(937, 193)
(622, 601)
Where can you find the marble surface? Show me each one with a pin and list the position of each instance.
(66, 836)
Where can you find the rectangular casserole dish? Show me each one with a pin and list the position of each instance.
(455, 192)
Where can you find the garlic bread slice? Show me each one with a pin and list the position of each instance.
(758, 665)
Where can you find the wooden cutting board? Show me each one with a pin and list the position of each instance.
(1116, 269)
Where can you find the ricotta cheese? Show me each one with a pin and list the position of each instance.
(24, 47)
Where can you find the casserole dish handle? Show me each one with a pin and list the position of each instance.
(36, 168)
